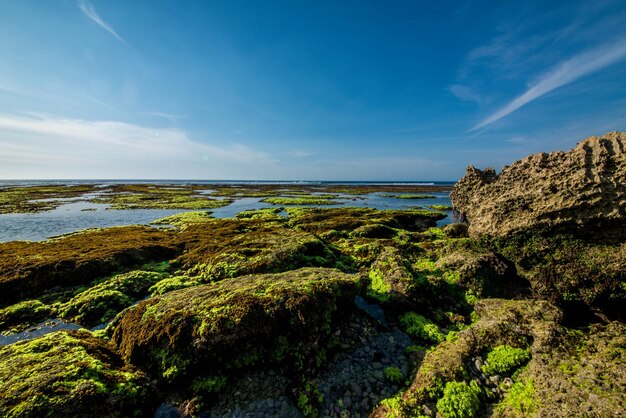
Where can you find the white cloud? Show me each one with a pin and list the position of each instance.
(90, 12)
(300, 154)
(466, 93)
(567, 72)
(41, 146)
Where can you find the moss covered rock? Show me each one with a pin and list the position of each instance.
(182, 220)
(23, 314)
(213, 329)
(70, 374)
(584, 374)
(320, 220)
(30, 269)
(391, 279)
(518, 323)
(233, 247)
(100, 303)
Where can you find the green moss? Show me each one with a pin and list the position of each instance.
(69, 374)
(459, 400)
(394, 375)
(438, 233)
(444, 208)
(232, 247)
(31, 199)
(470, 297)
(147, 196)
(420, 327)
(23, 314)
(310, 400)
(393, 407)
(520, 400)
(182, 220)
(172, 283)
(379, 288)
(504, 358)
(233, 324)
(30, 270)
(298, 201)
(208, 385)
(102, 302)
(266, 214)
(408, 196)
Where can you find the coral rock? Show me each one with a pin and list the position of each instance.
(584, 188)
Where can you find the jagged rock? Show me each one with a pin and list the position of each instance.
(584, 187)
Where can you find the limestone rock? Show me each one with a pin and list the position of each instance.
(583, 188)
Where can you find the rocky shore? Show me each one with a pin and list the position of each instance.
(337, 312)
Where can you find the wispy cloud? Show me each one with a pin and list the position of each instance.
(91, 13)
(565, 73)
(34, 146)
(168, 116)
(466, 93)
(300, 154)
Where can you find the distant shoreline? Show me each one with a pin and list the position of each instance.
(14, 182)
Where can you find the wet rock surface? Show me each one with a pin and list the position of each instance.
(351, 382)
(355, 380)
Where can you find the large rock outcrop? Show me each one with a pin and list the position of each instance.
(582, 188)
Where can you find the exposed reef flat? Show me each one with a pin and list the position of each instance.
(307, 312)
(29, 199)
(191, 196)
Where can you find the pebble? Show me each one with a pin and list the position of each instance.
(351, 384)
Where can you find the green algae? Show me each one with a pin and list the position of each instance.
(183, 220)
(23, 314)
(443, 208)
(100, 303)
(394, 375)
(520, 400)
(232, 247)
(146, 196)
(420, 327)
(173, 283)
(300, 201)
(408, 196)
(504, 358)
(266, 214)
(233, 324)
(29, 199)
(32, 269)
(459, 400)
(570, 270)
(323, 220)
(69, 374)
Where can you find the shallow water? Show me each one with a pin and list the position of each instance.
(38, 330)
(78, 215)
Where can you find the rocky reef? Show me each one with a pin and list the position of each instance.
(560, 217)
(582, 189)
(334, 312)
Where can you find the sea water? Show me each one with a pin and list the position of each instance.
(79, 214)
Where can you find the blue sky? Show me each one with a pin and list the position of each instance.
(353, 90)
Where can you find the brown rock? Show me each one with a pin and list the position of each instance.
(582, 188)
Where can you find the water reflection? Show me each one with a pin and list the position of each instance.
(79, 214)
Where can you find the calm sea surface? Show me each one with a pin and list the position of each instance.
(77, 214)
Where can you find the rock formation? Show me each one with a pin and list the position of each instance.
(582, 188)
